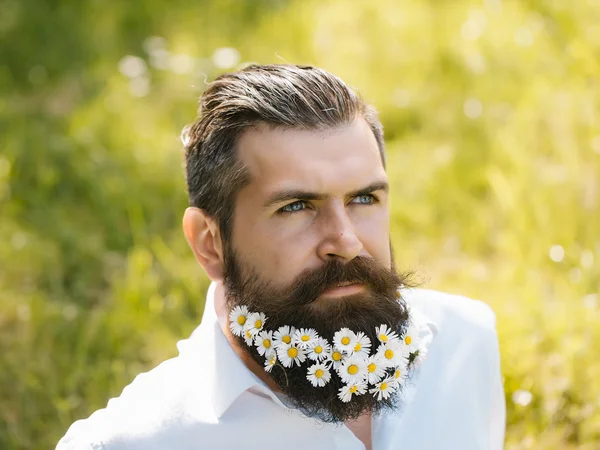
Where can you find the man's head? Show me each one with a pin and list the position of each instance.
(289, 199)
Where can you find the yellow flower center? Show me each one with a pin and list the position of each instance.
(258, 324)
(408, 340)
(248, 334)
(383, 338)
(389, 354)
(241, 320)
(372, 368)
(337, 356)
(305, 338)
(292, 352)
(357, 347)
(286, 339)
(318, 349)
(383, 386)
(345, 340)
(353, 389)
(397, 374)
(353, 369)
(272, 360)
(267, 343)
(318, 373)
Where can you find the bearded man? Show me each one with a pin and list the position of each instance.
(311, 339)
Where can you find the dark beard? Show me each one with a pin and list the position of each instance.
(295, 305)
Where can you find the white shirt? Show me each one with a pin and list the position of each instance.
(206, 398)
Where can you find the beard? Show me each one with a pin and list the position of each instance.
(297, 305)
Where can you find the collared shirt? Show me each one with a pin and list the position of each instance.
(206, 398)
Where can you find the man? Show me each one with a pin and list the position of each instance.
(311, 339)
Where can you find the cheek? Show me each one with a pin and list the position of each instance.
(373, 230)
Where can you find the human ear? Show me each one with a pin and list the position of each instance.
(203, 237)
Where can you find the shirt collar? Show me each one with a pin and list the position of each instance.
(231, 377)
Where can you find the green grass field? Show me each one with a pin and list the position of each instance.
(492, 117)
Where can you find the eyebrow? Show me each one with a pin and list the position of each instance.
(297, 194)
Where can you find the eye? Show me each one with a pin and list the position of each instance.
(366, 199)
(293, 207)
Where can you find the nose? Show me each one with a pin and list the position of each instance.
(339, 236)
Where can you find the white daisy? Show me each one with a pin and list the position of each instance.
(318, 375)
(255, 322)
(345, 393)
(375, 368)
(400, 373)
(264, 343)
(353, 369)
(385, 334)
(320, 350)
(237, 319)
(391, 353)
(345, 340)
(304, 337)
(270, 362)
(384, 389)
(363, 345)
(410, 339)
(336, 358)
(283, 336)
(289, 355)
(248, 337)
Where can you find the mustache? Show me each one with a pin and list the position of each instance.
(311, 283)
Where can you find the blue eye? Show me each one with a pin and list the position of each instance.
(364, 199)
(294, 207)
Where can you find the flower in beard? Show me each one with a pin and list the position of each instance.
(363, 345)
(376, 369)
(345, 341)
(255, 322)
(290, 355)
(270, 362)
(237, 320)
(248, 337)
(391, 353)
(283, 336)
(304, 337)
(410, 340)
(353, 369)
(318, 375)
(384, 389)
(320, 350)
(400, 373)
(336, 359)
(345, 393)
(385, 334)
(264, 344)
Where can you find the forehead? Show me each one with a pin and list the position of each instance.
(334, 161)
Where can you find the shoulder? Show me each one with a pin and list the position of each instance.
(155, 405)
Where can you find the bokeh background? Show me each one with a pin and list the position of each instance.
(492, 118)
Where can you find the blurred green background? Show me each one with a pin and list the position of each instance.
(491, 111)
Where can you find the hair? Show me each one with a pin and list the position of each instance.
(280, 96)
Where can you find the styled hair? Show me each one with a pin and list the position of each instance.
(279, 95)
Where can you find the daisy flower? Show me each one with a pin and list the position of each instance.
(264, 343)
(384, 389)
(345, 393)
(304, 337)
(237, 320)
(283, 336)
(385, 334)
(400, 373)
(345, 340)
(289, 355)
(318, 375)
(391, 354)
(270, 362)
(248, 337)
(353, 369)
(375, 369)
(255, 322)
(320, 350)
(363, 345)
(410, 339)
(336, 358)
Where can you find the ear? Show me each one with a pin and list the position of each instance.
(203, 236)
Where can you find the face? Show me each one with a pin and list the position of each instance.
(314, 196)
(310, 248)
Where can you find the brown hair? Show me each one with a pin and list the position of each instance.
(280, 95)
